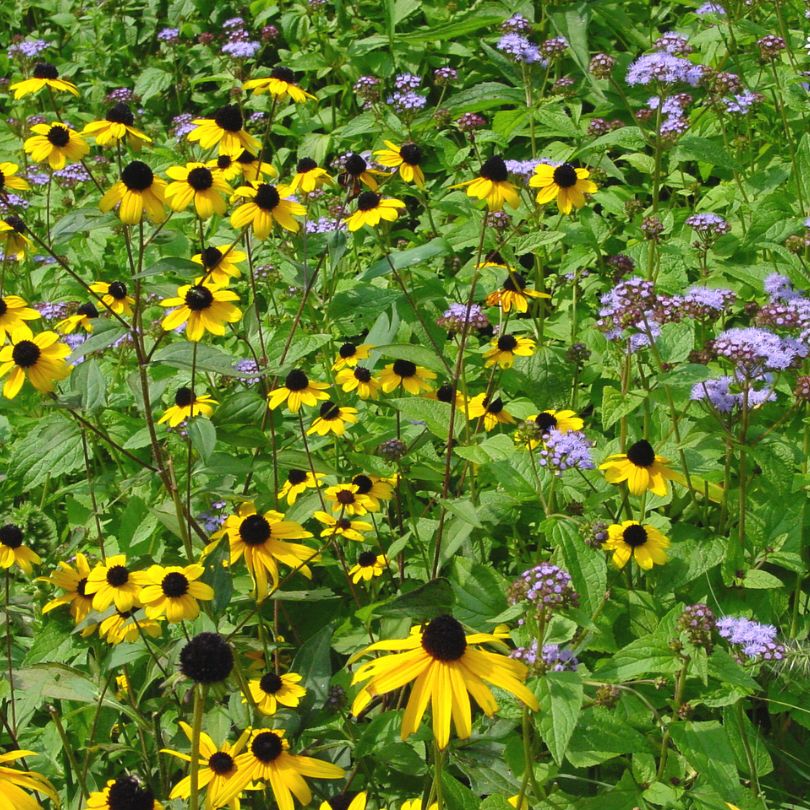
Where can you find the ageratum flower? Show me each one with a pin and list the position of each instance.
(564, 183)
(492, 185)
(14, 783)
(204, 307)
(225, 130)
(280, 84)
(116, 127)
(41, 360)
(196, 183)
(136, 191)
(44, 75)
(641, 467)
(643, 543)
(55, 144)
(266, 204)
(664, 69)
(753, 639)
(273, 690)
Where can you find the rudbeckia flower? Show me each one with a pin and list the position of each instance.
(266, 205)
(203, 308)
(347, 498)
(644, 543)
(350, 355)
(13, 551)
(44, 75)
(9, 179)
(114, 296)
(368, 566)
(279, 84)
(414, 379)
(84, 317)
(562, 421)
(406, 159)
(14, 784)
(349, 801)
(41, 359)
(225, 129)
(356, 171)
(117, 126)
(506, 348)
(564, 183)
(253, 168)
(446, 667)
(55, 144)
(138, 189)
(492, 185)
(72, 581)
(125, 627)
(513, 294)
(308, 177)
(358, 379)
(14, 313)
(220, 265)
(641, 468)
(343, 527)
(125, 791)
(186, 406)
(12, 237)
(333, 418)
(111, 581)
(297, 482)
(196, 183)
(173, 592)
(272, 690)
(376, 489)
(446, 392)
(492, 411)
(371, 208)
(297, 390)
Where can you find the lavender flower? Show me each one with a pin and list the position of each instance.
(516, 24)
(674, 44)
(240, 46)
(554, 47)
(753, 640)
(663, 68)
(601, 65)
(727, 393)
(770, 46)
(444, 75)
(626, 305)
(457, 315)
(407, 81)
(72, 175)
(708, 224)
(471, 121)
(704, 302)
(673, 127)
(710, 8)
(182, 125)
(323, 225)
(367, 88)
(741, 103)
(169, 35)
(524, 169)
(546, 587)
(119, 95)
(756, 350)
(551, 657)
(779, 287)
(52, 310)
(406, 102)
(234, 24)
(698, 622)
(248, 367)
(36, 118)
(27, 49)
(566, 451)
(520, 50)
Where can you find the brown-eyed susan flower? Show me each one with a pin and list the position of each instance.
(447, 392)
(244, 165)
(14, 312)
(14, 784)
(196, 183)
(125, 792)
(268, 759)
(347, 498)
(565, 183)
(333, 418)
(44, 75)
(644, 543)
(406, 159)
(266, 204)
(446, 667)
(10, 180)
(641, 468)
(57, 144)
(345, 801)
(297, 482)
(12, 550)
(308, 177)
(137, 191)
(41, 359)
(371, 208)
(72, 581)
(220, 263)
(297, 390)
(343, 527)
(173, 591)
(263, 540)
(111, 582)
(376, 489)
(187, 405)
(563, 421)
(491, 410)
(226, 129)
(513, 294)
(273, 690)
(127, 627)
(204, 307)
(280, 84)
(83, 317)
(349, 355)
(492, 185)
(414, 379)
(114, 296)
(12, 237)
(358, 379)
(116, 127)
(506, 348)
(368, 566)
(356, 171)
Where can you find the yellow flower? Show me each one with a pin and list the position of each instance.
(13, 551)
(641, 468)
(374, 488)
(446, 392)
(111, 581)
(416, 804)
(414, 379)
(368, 566)
(513, 800)
(114, 296)
(196, 183)
(41, 359)
(244, 165)
(84, 317)
(173, 591)
(347, 498)
(117, 126)
(297, 390)
(644, 543)
(358, 379)
(72, 581)
(563, 421)
(125, 791)
(345, 800)
(267, 204)
(371, 208)
(298, 481)
(564, 183)
(506, 348)
(44, 75)
(406, 158)
(344, 527)
(350, 355)
(279, 84)
(9, 179)
(220, 263)
(136, 191)
(333, 418)
(356, 171)
(12, 237)
(124, 627)
(492, 185)
(186, 406)
(272, 690)
(15, 783)
(513, 294)
(203, 308)
(55, 144)
(225, 129)
(492, 411)
(308, 177)
(14, 312)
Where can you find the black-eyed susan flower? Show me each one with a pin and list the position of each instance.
(563, 421)
(297, 482)
(358, 379)
(14, 784)
(491, 410)
(12, 550)
(187, 405)
(643, 543)
(280, 84)
(253, 168)
(137, 191)
(12, 237)
(173, 591)
(220, 264)
(641, 468)
(55, 144)
(414, 379)
(116, 127)
(345, 801)
(406, 159)
(273, 690)
(111, 582)
(127, 626)
(196, 183)
(349, 355)
(308, 177)
(446, 667)
(343, 527)
(44, 75)
(565, 183)
(332, 418)
(368, 566)
(205, 307)
(513, 294)
(447, 392)
(492, 185)
(41, 359)
(83, 317)
(10, 180)
(14, 312)
(207, 658)
(123, 793)
(72, 581)
(376, 489)
(263, 540)
(269, 760)
(297, 390)
(226, 130)
(371, 208)
(266, 204)
(356, 171)
(114, 296)
(506, 348)
(347, 498)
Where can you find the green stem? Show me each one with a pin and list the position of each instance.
(196, 728)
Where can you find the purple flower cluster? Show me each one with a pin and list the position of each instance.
(213, 519)
(552, 658)
(444, 75)
(169, 35)
(457, 315)
(698, 623)
(673, 44)
(601, 65)
(728, 393)
(703, 302)
(779, 288)
(72, 175)
(741, 103)
(546, 587)
(673, 108)
(182, 125)
(519, 49)
(626, 305)
(554, 47)
(248, 367)
(524, 169)
(52, 310)
(770, 46)
(324, 225)
(516, 24)
(565, 451)
(405, 100)
(710, 8)
(665, 69)
(27, 49)
(467, 122)
(367, 89)
(755, 350)
(119, 95)
(753, 640)
(239, 45)
(707, 225)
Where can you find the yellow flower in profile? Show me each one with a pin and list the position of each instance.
(492, 185)
(308, 177)
(9, 179)
(332, 418)
(491, 410)
(641, 467)
(125, 791)
(446, 667)
(13, 551)
(55, 144)
(196, 183)
(226, 130)
(368, 566)
(44, 75)
(297, 390)
(84, 317)
(565, 183)
(114, 296)
(358, 379)
(124, 627)
(272, 690)
(12, 237)
(297, 482)
(244, 165)
(406, 159)
(643, 543)
(343, 527)
(117, 127)
(14, 312)
(279, 84)
(346, 800)
(202, 308)
(41, 359)
(137, 191)
(267, 204)
(187, 405)
(112, 582)
(347, 498)
(376, 489)
(356, 171)
(220, 265)
(513, 294)
(349, 355)
(15, 783)
(371, 208)
(414, 379)
(506, 348)
(173, 591)
(72, 581)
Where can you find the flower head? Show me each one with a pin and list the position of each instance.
(641, 467)
(297, 390)
(204, 307)
(414, 379)
(492, 185)
(15, 784)
(266, 205)
(371, 208)
(273, 690)
(207, 658)
(506, 348)
(55, 144)
(13, 551)
(196, 183)
(565, 183)
(187, 404)
(173, 591)
(44, 75)
(117, 127)
(280, 84)
(643, 543)
(41, 360)
(136, 191)
(407, 159)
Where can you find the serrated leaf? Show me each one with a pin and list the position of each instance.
(480, 593)
(203, 437)
(401, 259)
(434, 414)
(560, 695)
(427, 601)
(55, 449)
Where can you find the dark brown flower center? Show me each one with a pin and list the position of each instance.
(565, 176)
(267, 197)
(118, 290)
(3, 307)
(411, 154)
(224, 161)
(330, 411)
(444, 639)
(2, 180)
(117, 576)
(58, 135)
(345, 497)
(200, 178)
(367, 200)
(88, 310)
(496, 406)
(306, 165)
(347, 350)
(635, 535)
(126, 794)
(80, 586)
(355, 165)
(445, 392)
(404, 368)
(120, 114)
(270, 683)
(507, 343)
(342, 801)
(545, 421)
(43, 70)
(184, 397)
(366, 558)
(11, 535)
(514, 282)
(267, 747)
(363, 483)
(220, 763)
(343, 524)
(16, 223)
(494, 169)
(284, 74)
(199, 297)
(641, 454)
(25, 353)
(254, 530)
(296, 380)
(362, 374)
(296, 477)
(229, 118)
(211, 257)
(175, 584)
(246, 158)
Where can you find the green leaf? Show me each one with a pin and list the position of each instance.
(105, 333)
(451, 30)
(435, 414)
(601, 735)
(80, 220)
(561, 695)
(180, 355)
(456, 795)
(402, 259)
(427, 601)
(642, 657)
(492, 448)
(172, 264)
(704, 150)
(615, 405)
(90, 384)
(480, 593)
(203, 436)
(313, 662)
(705, 746)
(152, 82)
(756, 579)
(54, 449)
